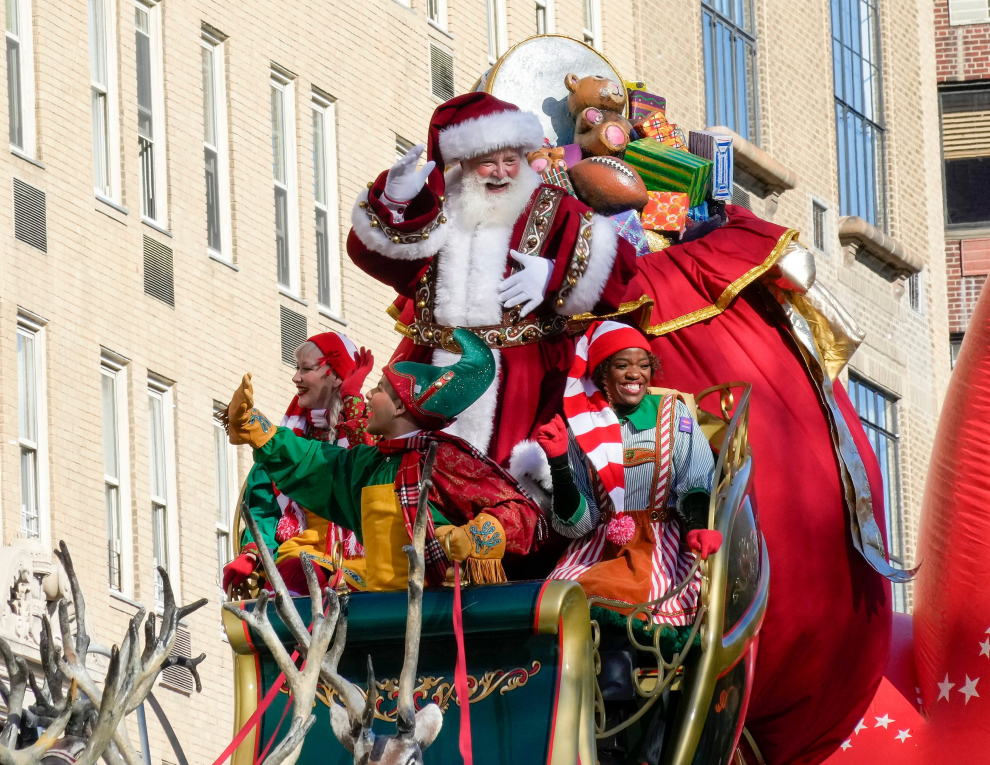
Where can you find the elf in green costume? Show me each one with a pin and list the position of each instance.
(478, 512)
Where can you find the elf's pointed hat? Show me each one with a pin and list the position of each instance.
(436, 395)
(473, 124)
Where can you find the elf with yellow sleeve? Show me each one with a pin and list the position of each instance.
(478, 512)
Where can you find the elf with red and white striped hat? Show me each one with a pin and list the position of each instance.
(631, 475)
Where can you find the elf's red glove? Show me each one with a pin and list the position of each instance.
(552, 437)
(705, 542)
(364, 363)
(239, 569)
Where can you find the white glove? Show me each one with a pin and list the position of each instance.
(528, 285)
(404, 181)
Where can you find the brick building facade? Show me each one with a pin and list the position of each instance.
(962, 50)
(134, 295)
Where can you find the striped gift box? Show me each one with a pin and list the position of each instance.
(556, 176)
(643, 104)
(665, 169)
(718, 148)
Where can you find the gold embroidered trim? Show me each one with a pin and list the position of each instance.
(729, 293)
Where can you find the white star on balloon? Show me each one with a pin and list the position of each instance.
(859, 726)
(903, 735)
(884, 721)
(847, 744)
(985, 648)
(969, 689)
(944, 687)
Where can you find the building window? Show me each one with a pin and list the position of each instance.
(878, 413)
(545, 24)
(115, 473)
(436, 12)
(151, 110)
(593, 23)
(225, 472)
(20, 76)
(955, 343)
(916, 291)
(284, 170)
(498, 39)
(729, 49)
(161, 452)
(325, 195)
(819, 225)
(966, 156)
(218, 230)
(859, 110)
(103, 81)
(402, 147)
(32, 419)
(969, 12)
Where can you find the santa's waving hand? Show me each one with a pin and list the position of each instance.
(489, 247)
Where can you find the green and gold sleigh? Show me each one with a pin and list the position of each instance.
(531, 650)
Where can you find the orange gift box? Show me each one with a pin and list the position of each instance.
(666, 211)
(659, 127)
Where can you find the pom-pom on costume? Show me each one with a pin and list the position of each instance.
(288, 528)
(635, 472)
(448, 271)
(374, 490)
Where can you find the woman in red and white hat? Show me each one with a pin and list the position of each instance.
(328, 406)
(632, 476)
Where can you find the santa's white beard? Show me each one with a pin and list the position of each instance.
(476, 206)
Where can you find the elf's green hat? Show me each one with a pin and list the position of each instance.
(436, 395)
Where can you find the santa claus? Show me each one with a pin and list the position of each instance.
(474, 239)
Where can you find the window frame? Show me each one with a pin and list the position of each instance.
(110, 91)
(891, 434)
(947, 91)
(497, 28)
(716, 113)
(820, 207)
(439, 19)
(284, 82)
(231, 490)
(217, 48)
(164, 391)
(331, 268)
(114, 366)
(846, 114)
(158, 141)
(550, 22)
(30, 324)
(24, 38)
(592, 15)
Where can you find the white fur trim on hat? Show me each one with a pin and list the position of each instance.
(500, 130)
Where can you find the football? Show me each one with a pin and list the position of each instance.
(608, 185)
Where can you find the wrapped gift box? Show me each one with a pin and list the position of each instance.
(658, 127)
(699, 213)
(718, 148)
(666, 211)
(628, 226)
(572, 154)
(643, 104)
(663, 168)
(556, 176)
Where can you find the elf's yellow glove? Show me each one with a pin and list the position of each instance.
(480, 543)
(245, 424)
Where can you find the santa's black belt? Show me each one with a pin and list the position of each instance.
(494, 335)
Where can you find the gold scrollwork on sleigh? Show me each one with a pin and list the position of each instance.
(440, 691)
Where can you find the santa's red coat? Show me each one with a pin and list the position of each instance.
(824, 643)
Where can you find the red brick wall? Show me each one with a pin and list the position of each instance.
(961, 52)
(963, 290)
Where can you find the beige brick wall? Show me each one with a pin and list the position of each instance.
(372, 56)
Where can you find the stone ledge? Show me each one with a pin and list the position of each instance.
(757, 163)
(877, 250)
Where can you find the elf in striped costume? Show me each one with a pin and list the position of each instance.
(631, 480)
(328, 407)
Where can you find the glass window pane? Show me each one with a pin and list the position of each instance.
(156, 446)
(143, 43)
(101, 148)
(319, 157)
(322, 258)
(13, 20)
(15, 117)
(278, 134)
(220, 449)
(282, 235)
(27, 391)
(212, 200)
(209, 98)
(98, 42)
(113, 536)
(29, 492)
(110, 456)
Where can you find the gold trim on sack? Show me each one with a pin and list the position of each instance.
(729, 293)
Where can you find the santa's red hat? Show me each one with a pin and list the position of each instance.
(473, 124)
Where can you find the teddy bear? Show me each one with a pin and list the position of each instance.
(597, 103)
(544, 159)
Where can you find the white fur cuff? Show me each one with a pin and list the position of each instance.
(528, 464)
(374, 239)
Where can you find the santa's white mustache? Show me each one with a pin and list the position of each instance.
(498, 183)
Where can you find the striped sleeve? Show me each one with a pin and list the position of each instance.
(694, 463)
(585, 519)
